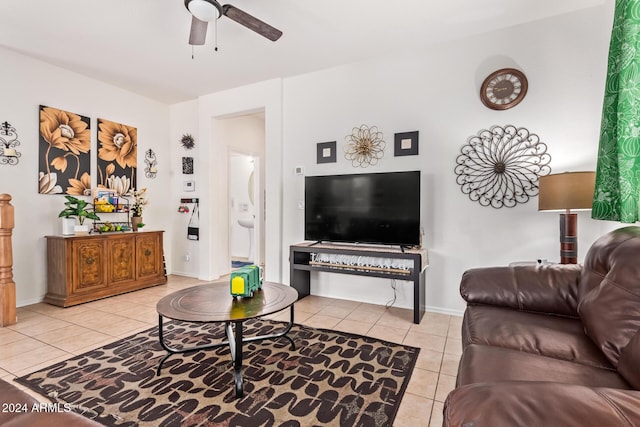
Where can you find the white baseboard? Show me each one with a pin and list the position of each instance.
(183, 273)
(448, 311)
(23, 303)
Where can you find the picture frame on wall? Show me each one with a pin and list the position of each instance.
(406, 144)
(326, 152)
(187, 165)
(117, 156)
(64, 160)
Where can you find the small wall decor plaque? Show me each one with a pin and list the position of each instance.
(405, 144)
(326, 152)
(187, 165)
(500, 167)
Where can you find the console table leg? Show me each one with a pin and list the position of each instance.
(418, 297)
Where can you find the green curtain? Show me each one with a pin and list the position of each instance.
(618, 173)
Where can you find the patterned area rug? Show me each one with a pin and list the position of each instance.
(332, 378)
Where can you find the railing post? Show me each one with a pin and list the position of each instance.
(7, 285)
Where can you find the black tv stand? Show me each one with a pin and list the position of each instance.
(301, 266)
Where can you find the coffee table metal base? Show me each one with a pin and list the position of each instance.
(235, 340)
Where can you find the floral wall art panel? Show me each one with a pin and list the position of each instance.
(117, 156)
(64, 160)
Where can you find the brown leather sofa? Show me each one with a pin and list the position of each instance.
(20, 409)
(552, 345)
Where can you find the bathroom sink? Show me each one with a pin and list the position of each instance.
(246, 222)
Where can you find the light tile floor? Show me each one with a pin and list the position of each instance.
(46, 334)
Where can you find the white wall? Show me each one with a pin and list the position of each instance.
(185, 252)
(28, 83)
(436, 93)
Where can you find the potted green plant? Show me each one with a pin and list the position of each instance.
(77, 208)
(139, 201)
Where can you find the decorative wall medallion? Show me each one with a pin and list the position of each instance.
(406, 144)
(151, 169)
(365, 146)
(326, 152)
(117, 156)
(8, 143)
(64, 159)
(501, 166)
(187, 165)
(187, 141)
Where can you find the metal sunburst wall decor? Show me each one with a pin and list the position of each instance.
(365, 146)
(501, 166)
(187, 141)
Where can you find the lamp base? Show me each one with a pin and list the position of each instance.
(568, 238)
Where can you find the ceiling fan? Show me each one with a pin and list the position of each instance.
(203, 11)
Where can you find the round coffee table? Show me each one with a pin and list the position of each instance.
(213, 302)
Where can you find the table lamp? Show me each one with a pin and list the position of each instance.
(564, 192)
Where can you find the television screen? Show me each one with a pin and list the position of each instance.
(381, 208)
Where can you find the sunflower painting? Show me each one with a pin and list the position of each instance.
(64, 160)
(117, 156)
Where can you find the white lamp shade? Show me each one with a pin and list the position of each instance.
(203, 10)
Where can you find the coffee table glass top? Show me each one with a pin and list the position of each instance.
(212, 302)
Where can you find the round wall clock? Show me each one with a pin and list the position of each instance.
(503, 89)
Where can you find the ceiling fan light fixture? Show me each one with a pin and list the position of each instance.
(204, 10)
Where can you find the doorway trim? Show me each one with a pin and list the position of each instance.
(264, 96)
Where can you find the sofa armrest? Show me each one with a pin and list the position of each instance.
(549, 288)
(524, 403)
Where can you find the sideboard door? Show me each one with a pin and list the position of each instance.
(149, 255)
(121, 259)
(89, 267)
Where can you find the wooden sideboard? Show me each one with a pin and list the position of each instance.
(90, 267)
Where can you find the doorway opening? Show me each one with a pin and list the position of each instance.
(242, 209)
(245, 136)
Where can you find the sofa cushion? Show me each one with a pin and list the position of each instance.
(609, 291)
(481, 363)
(546, 335)
(629, 363)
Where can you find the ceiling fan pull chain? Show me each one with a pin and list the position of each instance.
(215, 36)
(192, 52)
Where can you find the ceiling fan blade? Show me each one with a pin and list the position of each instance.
(198, 32)
(251, 22)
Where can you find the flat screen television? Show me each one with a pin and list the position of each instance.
(379, 208)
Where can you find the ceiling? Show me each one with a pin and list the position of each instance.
(141, 45)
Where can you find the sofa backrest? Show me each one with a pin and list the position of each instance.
(609, 298)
